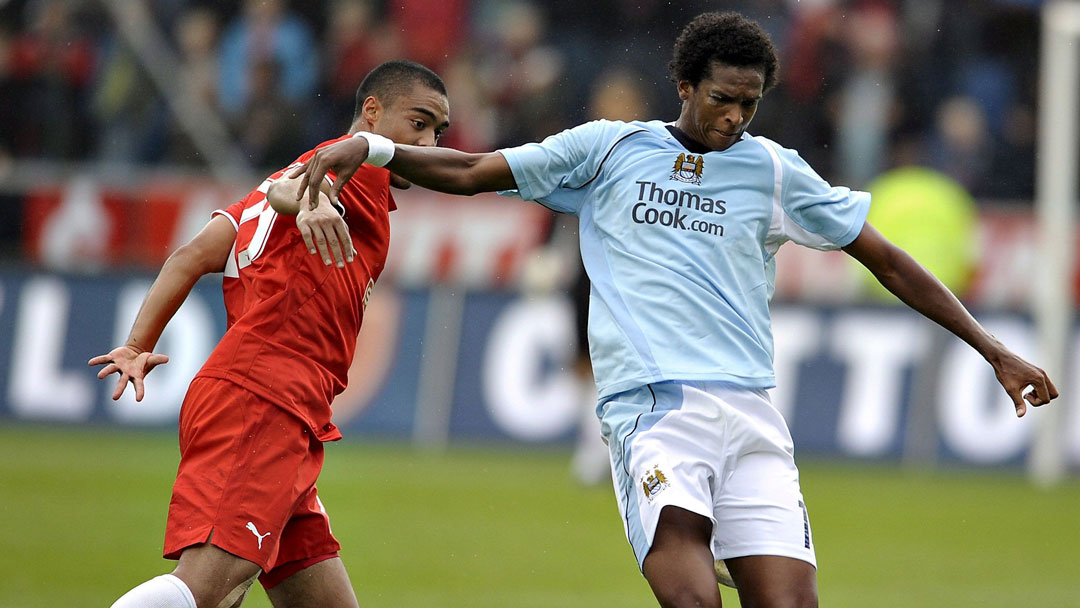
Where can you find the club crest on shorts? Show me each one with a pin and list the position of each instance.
(653, 482)
(688, 168)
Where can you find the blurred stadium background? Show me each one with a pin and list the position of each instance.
(125, 122)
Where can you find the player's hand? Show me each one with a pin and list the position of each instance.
(1024, 382)
(343, 158)
(132, 365)
(324, 231)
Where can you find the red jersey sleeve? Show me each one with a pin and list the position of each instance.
(233, 212)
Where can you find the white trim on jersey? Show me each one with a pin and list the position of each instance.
(325, 514)
(252, 212)
(262, 233)
(266, 217)
(226, 215)
(265, 186)
(781, 227)
(231, 269)
(775, 236)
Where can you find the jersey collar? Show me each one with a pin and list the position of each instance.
(690, 144)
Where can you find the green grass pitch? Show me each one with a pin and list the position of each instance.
(82, 515)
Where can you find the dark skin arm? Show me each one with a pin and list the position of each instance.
(439, 169)
(455, 172)
(922, 291)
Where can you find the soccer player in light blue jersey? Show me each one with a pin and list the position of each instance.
(679, 225)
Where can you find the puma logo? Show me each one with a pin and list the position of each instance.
(255, 531)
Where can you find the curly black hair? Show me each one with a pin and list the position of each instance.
(727, 38)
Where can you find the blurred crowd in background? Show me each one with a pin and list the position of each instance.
(125, 122)
(865, 84)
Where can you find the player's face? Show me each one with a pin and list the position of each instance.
(417, 118)
(717, 111)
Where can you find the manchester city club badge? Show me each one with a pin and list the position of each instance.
(653, 482)
(688, 168)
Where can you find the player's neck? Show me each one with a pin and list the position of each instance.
(360, 125)
(691, 144)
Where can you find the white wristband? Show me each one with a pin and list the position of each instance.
(380, 149)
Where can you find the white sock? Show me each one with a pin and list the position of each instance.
(165, 591)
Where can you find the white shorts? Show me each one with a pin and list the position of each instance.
(714, 449)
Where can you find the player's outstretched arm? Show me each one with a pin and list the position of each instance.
(440, 169)
(922, 291)
(205, 253)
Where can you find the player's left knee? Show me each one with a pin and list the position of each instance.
(802, 596)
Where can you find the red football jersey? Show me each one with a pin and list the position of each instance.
(292, 320)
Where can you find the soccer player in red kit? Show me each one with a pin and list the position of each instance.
(252, 424)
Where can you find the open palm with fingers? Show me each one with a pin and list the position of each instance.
(132, 364)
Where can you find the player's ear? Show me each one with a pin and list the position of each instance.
(686, 90)
(372, 110)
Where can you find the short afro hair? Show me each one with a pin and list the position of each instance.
(393, 78)
(727, 38)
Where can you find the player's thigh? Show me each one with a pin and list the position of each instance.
(774, 581)
(214, 575)
(679, 565)
(322, 585)
(663, 449)
(760, 508)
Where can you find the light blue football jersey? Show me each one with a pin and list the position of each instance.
(680, 246)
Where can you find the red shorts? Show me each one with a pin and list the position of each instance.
(246, 481)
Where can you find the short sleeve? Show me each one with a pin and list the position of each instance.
(233, 213)
(556, 171)
(810, 211)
